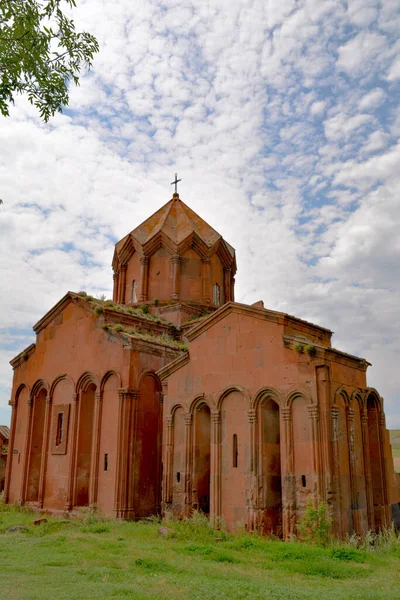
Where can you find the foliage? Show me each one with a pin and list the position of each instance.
(298, 348)
(41, 53)
(98, 310)
(310, 350)
(88, 556)
(315, 524)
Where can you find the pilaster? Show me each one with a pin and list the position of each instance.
(188, 461)
(288, 476)
(122, 283)
(94, 467)
(367, 466)
(10, 451)
(215, 476)
(206, 280)
(144, 278)
(227, 283)
(176, 276)
(45, 450)
(26, 456)
(72, 452)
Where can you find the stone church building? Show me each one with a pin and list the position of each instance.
(174, 397)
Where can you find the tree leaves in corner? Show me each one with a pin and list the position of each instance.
(40, 53)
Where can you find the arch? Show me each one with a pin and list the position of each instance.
(86, 380)
(150, 373)
(57, 381)
(175, 408)
(358, 398)
(291, 396)
(233, 388)
(200, 401)
(341, 391)
(20, 388)
(264, 392)
(107, 376)
(38, 386)
(375, 397)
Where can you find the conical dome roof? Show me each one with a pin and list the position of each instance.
(177, 222)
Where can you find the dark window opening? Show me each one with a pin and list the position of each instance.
(178, 477)
(235, 452)
(216, 295)
(134, 294)
(303, 480)
(106, 462)
(59, 436)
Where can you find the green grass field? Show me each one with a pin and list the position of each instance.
(395, 441)
(93, 558)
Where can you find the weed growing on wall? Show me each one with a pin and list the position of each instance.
(315, 524)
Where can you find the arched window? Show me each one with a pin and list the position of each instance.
(134, 295)
(216, 295)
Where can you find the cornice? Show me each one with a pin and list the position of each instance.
(173, 366)
(22, 356)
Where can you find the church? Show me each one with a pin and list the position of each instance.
(173, 398)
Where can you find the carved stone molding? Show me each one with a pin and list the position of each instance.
(252, 414)
(350, 414)
(169, 421)
(286, 413)
(188, 419)
(216, 416)
(313, 411)
(335, 413)
(144, 260)
(175, 259)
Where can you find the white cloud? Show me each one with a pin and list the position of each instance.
(372, 99)
(264, 109)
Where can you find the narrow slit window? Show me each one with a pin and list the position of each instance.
(235, 452)
(178, 477)
(106, 462)
(216, 295)
(134, 295)
(60, 424)
(303, 480)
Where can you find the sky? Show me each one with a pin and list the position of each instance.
(281, 117)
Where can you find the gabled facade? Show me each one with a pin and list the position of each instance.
(173, 398)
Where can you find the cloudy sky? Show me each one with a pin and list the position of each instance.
(281, 117)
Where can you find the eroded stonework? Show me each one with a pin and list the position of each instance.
(173, 397)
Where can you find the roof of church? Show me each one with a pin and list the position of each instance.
(177, 221)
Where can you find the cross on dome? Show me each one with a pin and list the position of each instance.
(176, 181)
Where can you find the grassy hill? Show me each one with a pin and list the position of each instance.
(395, 441)
(94, 558)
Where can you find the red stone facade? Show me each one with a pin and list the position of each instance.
(174, 398)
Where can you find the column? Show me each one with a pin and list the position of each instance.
(72, 452)
(387, 509)
(206, 280)
(367, 467)
(115, 287)
(323, 394)
(313, 412)
(233, 289)
(94, 467)
(27, 449)
(125, 454)
(254, 505)
(357, 524)
(188, 462)
(10, 451)
(336, 475)
(169, 459)
(122, 284)
(288, 478)
(45, 449)
(227, 284)
(176, 276)
(215, 475)
(144, 278)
